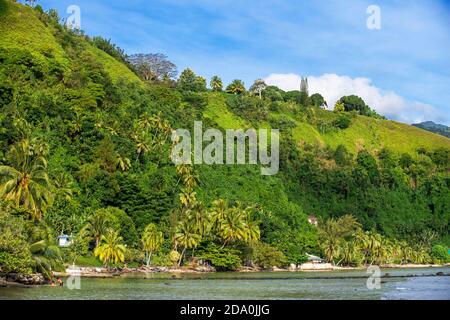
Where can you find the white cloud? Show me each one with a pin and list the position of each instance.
(332, 87)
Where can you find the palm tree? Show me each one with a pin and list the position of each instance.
(330, 247)
(253, 232)
(216, 83)
(150, 133)
(233, 227)
(188, 176)
(111, 248)
(25, 182)
(123, 163)
(63, 186)
(234, 224)
(370, 243)
(188, 198)
(142, 144)
(152, 240)
(348, 252)
(186, 237)
(199, 218)
(98, 225)
(46, 256)
(218, 212)
(333, 232)
(45, 253)
(236, 87)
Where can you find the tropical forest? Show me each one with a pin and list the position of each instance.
(85, 146)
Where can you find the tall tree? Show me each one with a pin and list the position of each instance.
(236, 87)
(99, 223)
(317, 100)
(189, 81)
(216, 83)
(153, 66)
(111, 248)
(333, 232)
(186, 237)
(258, 87)
(152, 240)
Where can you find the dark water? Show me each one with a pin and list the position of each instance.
(401, 284)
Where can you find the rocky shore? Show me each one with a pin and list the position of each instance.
(113, 272)
(14, 279)
(19, 280)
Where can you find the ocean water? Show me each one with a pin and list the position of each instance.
(420, 284)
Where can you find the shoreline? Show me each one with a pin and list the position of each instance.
(96, 272)
(17, 281)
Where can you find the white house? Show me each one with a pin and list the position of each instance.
(64, 240)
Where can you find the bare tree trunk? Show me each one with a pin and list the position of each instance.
(181, 258)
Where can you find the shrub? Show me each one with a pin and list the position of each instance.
(283, 123)
(133, 256)
(223, 259)
(250, 108)
(174, 257)
(440, 253)
(342, 122)
(266, 256)
(15, 253)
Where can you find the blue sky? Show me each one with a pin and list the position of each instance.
(401, 70)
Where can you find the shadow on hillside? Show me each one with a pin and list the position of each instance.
(3, 7)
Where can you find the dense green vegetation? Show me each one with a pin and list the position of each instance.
(84, 150)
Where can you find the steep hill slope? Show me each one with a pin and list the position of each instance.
(22, 27)
(104, 145)
(364, 132)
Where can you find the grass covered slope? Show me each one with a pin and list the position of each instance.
(363, 133)
(375, 134)
(22, 28)
(107, 149)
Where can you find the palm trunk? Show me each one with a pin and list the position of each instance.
(149, 257)
(181, 258)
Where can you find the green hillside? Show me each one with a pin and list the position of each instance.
(363, 133)
(85, 141)
(22, 27)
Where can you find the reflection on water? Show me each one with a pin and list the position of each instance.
(255, 286)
